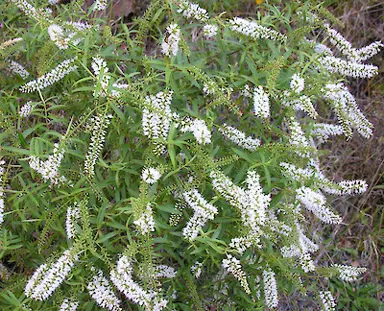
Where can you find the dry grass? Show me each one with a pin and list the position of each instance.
(363, 232)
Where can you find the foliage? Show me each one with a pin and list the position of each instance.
(172, 163)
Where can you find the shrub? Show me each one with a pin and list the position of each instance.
(173, 163)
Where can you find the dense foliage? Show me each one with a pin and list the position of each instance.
(172, 164)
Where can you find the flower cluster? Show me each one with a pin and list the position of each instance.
(46, 278)
(170, 44)
(261, 103)
(99, 124)
(239, 138)
(349, 273)
(25, 111)
(30, 10)
(347, 110)
(157, 117)
(297, 138)
(100, 290)
(100, 69)
(56, 33)
(254, 30)
(316, 203)
(100, 5)
(327, 300)
(323, 131)
(150, 175)
(251, 202)
(241, 244)
(69, 305)
(199, 130)
(210, 31)
(122, 277)
(192, 10)
(345, 47)
(163, 271)
(16, 68)
(233, 265)
(303, 103)
(349, 69)
(145, 223)
(9, 43)
(49, 169)
(58, 73)
(196, 269)
(203, 211)
(297, 84)
(73, 214)
(270, 289)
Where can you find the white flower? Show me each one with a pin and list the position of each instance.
(196, 269)
(344, 46)
(323, 49)
(270, 289)
(233, 265)
(370, 50)
(100, 5)
(210, 31)
(261, 103)
(49, 169)
(69, 305)
(298, 139)
(56, 33)
(290, 251)
(46, 279)
(58, 73)
(100, 290)
(209, 88)
(239, 138)
(307, 263)
(251, 202)
(347, 68)
(26, 110)
(99, 125)
(316, 203)
(327, 300)
(9, 43)
(150, 175)
(170, 44)
(349, 273)
(241, 244)
(323, 131)
(163, 271)
(192, 10)
(203, 211)
(297, 83)
(100, 69)
(145, 223)
(199, 130)
(121, 276)
(73, 214)
(16, 68)
(53, 2)
(254, 30)
(157, 116)
(30, 10)
(303, 103)
(347, 110)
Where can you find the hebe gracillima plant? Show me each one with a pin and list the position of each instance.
(172, 165)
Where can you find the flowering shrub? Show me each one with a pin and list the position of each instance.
(173, 164)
